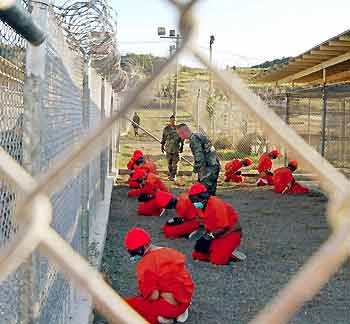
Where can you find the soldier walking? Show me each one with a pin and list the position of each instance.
(206, 162)
(136, 120)
(172, 145)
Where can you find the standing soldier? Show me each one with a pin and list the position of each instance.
(206, 162)
(172, 144)
(136, 120)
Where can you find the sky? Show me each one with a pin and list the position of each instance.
(246, 32)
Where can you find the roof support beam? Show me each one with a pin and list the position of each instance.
(324, 52)
(317, 57)
(344, 38)
(339, 43)
(316, 68)
(334, 48)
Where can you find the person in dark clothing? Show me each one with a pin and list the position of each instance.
(136, 120)
(172, 145)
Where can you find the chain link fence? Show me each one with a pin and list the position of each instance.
(320, 118)
(74, 98)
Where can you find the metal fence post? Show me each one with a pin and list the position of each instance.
(198, 109)
(103, 153)
(110, 149)
(34, 89)
(343, 133)
(85, 181)
(324, 119)
(287, 122)
(309, 122)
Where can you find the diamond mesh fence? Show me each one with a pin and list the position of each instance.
(62, 121)
(12, 64)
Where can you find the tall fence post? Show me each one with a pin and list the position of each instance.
(343, 132)
(287, 122)
(85, 181)
(103, 153)
(110, 159)
(324, 120)
(198, 109)
(309, 122)
(34, 90)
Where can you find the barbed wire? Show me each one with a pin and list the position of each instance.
(91, 29)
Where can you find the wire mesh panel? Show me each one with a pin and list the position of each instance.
(12, 64)
(337, 133)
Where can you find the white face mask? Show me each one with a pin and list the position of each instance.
(135, 258)
(198, 205)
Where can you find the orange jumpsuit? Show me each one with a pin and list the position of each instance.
(231, 168)
(185, 210)
(217, 215)
(164, 270)
(284, 177)
(152, 184)
(265, 166)
(150, 208)
(149, 166)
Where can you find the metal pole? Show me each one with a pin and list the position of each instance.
(343, 132)
(211, 41)
(287, 122)
(20, 20)
(309, 122)
(169, 92)
(103, 153)
(34, 94)
(324, 115)
(155, 138)
(111, 158)
(85, 182)
(198, 108)
(176, 75)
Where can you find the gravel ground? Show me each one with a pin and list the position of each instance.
(280, 233)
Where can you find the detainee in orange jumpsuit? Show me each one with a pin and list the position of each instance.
(165, 285)
(136, 160)
(154, 205)
(223, 231)
(149, 183)
(265, 168)
(139, 161)
(284, 181)
(232, 170)
(185, 223)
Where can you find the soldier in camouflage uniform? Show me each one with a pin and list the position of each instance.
(172, 145)
(206, 162)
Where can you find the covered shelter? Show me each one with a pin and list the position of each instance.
(316, 87)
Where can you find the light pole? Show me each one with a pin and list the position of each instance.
(176, 37)
(211, 42)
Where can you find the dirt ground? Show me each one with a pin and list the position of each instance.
(280, 233)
